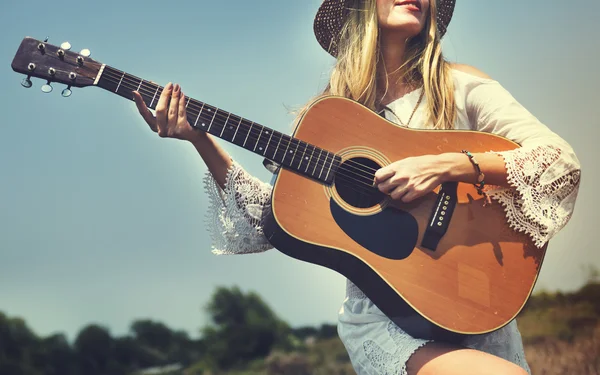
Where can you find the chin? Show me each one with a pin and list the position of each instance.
(408, 29)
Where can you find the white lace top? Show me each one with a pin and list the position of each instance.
(544, 176)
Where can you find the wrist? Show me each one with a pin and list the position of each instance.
(197, 138)
(457, 167)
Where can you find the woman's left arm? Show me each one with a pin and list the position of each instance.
(536, 183)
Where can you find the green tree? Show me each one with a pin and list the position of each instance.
(243, 328)
(94, 347)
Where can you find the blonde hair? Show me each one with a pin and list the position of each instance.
(354, 75)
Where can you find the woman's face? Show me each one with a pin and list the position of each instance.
(406, 17)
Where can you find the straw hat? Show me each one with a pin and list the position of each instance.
(332, 14)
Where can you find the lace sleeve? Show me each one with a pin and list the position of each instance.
(543, 173)
(234, 214)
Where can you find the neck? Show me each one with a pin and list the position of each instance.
(393, 49)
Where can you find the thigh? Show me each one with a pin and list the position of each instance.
(442, 359)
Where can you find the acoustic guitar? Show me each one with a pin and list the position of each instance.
(443, 266)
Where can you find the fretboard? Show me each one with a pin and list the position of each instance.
(291, 153)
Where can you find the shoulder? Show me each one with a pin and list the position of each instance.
(470, 70)
(468, 78)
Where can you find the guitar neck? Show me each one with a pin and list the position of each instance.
(291, 153)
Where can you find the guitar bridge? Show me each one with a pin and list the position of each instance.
(439, 219)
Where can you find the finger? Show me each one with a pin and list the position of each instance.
(174, 105)
(161, 109)
(411, 196)
(398, 192)
(144, 111)
(383, 174)
(181, 113)
(387, 186)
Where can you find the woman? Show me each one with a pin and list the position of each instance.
(389, 59)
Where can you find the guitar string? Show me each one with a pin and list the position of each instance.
(368, 188)
(349, 163)
(368, 178)
(156, 92)
(365, 188)
(311, 164)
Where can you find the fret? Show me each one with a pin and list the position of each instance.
(154, 97)
(304, 159)
(249, 130)
(323, 166)
(293, 152)
(258, 139)
(199, 113)
(329, 169)
(229, 128)
(268, 143)
(236, 130)
(140, 85)
(120, 81)
(244, 132)
(317, 163)
(310, 159)
(261, 142)
(278, 143)
(279, 153)
(224, 126)
(215, 110)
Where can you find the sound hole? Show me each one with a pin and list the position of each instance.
(354, 183)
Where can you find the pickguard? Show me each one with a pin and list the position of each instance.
(391, 233)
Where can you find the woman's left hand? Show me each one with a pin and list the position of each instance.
(408, 179)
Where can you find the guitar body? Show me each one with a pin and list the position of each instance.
(478, 277)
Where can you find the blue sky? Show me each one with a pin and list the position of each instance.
(102, 221)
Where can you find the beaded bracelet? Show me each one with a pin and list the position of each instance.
(481, 177)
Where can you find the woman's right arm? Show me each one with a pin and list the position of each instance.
(236, 199)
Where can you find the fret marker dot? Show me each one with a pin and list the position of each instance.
(306, 158)
(291, 152)
(203, 124)
(260, 148)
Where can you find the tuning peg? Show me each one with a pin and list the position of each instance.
(46, 40)
(66, 46)
(85, 52)
(26, 82)
(66, 92)
(47, 87)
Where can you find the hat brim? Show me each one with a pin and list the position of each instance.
(331, 15)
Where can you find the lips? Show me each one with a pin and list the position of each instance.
(409, 4)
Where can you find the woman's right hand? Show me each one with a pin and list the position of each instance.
(171, 117)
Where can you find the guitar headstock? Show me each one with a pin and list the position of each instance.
(51, 63)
